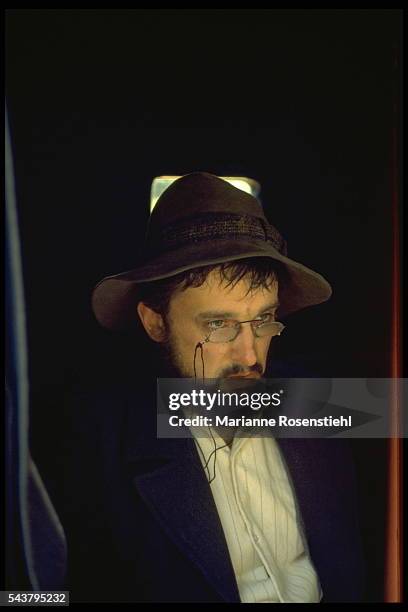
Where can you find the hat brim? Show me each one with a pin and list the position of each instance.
(114, 298)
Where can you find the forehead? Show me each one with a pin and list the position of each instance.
(214, 294)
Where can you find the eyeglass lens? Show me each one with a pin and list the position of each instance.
(229, 333)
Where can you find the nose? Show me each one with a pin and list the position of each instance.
(244, 347)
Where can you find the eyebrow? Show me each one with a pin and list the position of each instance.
(222, 314)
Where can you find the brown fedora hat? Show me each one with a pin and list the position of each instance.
(199, 220)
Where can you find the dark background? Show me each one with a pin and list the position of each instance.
(102, 101)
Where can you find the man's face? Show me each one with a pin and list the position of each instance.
(196, 311)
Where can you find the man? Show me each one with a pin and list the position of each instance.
(209, 520)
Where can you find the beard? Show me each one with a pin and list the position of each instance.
(171, 364)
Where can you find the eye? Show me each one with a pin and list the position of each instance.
(216, 324)
(263, 319)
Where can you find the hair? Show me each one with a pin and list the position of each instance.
(258, 271)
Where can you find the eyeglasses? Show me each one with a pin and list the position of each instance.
(226, 330)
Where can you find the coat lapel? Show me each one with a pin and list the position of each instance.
(169, 477)
(321, 471)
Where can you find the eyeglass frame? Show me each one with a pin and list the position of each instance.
(238, 326)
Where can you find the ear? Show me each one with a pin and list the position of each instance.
(152, 321)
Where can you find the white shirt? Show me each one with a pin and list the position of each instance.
(261, 523)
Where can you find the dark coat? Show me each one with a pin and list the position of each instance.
(141, 523)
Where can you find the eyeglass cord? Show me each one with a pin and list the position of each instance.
(199, 345)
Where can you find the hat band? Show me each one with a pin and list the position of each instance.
(215, 226)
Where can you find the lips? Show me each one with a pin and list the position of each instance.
(249, 375)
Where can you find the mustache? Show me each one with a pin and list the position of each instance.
(236, 369)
